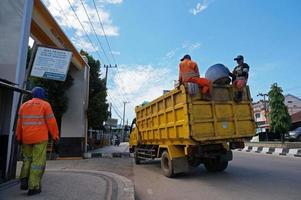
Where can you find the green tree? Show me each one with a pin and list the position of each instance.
(279, 116)
(98, 108)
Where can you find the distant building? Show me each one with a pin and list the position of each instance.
(293, 104)
(296, 120)
(261, 110)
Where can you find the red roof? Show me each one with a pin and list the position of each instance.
(296, 117)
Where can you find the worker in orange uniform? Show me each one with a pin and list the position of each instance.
(189, 72)
(35, 120)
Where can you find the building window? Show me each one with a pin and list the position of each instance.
(289, 101)
(257, 115)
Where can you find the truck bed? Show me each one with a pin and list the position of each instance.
(179, 118)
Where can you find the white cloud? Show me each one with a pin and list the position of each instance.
(63, 13)
(84, 44)
(190, 46)
(117, 53)
(139, 83)
(200, 7)
(112, 1)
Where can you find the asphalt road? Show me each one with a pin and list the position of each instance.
(249, 176)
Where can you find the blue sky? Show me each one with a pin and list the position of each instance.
(149, 37)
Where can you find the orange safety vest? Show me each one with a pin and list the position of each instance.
(188, 69)
(35, 120)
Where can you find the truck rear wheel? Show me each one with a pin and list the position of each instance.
(215, 165)
(166, 165)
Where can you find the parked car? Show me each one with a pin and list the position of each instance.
(294, 135)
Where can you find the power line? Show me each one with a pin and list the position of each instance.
(104, 33)
(121, 94)
(107, 41)
(117, 101)
(84, 30)
(112, 99)
(62, 11)
(116, 112)
(95, 31)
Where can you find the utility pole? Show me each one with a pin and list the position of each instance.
(110, 109)
(123, 118)
(107, 70)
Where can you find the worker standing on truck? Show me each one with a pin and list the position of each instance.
(240, 76)
(189, 72)
(35, 120)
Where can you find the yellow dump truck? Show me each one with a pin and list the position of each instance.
(185, 131)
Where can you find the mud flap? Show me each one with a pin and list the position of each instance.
(228, 156)
(180, 165)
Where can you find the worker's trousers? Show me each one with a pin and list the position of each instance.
(205, 84)
(34, 162)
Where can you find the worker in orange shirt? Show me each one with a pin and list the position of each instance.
(189, 72)
(35, 120)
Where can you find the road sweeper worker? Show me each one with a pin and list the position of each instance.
(35, 120)
(189, 72)
(240, 76)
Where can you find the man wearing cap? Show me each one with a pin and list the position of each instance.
(240, 76)
(35, 120)
(189, 72)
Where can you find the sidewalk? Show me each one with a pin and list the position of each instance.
(98, 178)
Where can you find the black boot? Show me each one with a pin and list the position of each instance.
(33, 192)
(24, 183)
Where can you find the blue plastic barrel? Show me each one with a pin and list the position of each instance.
(218, 74)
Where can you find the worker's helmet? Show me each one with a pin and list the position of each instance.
(186, 57)
(38, 92)
(239, 57)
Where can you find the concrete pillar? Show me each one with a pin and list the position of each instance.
(15, 19)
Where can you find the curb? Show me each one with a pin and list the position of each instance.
(127, 186)
(8, 184)
(272, 151)
(111, 155)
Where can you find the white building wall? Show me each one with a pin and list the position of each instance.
(293, 104)
(75, 119)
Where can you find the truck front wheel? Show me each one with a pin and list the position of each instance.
(166, 165)
(215, 165)
(136, 158)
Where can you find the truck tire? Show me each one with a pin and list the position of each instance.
(193, 163)
(136, 158)
(215, 165)
(166, 165)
